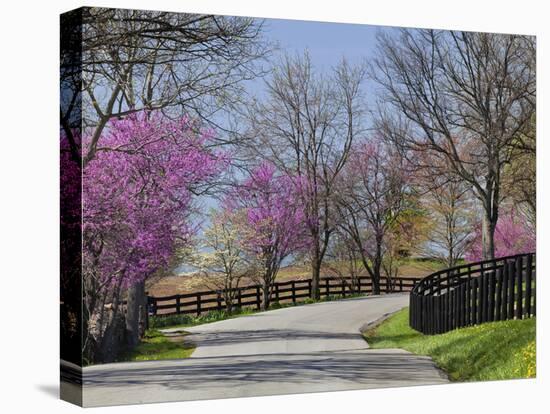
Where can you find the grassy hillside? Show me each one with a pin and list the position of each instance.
(491, 351)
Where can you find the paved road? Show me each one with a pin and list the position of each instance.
(308, 348)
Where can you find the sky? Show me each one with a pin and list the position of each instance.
(326, 42)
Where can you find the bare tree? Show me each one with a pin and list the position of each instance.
(372, 196)
(306, 126)
(451, 210)
(132, 60)
(463, 96)
(520, 179)
(450, 207)
(344, 261)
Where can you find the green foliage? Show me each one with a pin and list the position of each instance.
(159, 322)
(491, 351)
(156, 346)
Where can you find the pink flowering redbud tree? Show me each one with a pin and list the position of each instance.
(273, 225)
(514, 234)
(137, 198)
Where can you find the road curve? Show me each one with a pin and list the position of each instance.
(308, 348)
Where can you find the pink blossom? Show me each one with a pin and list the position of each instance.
(138, 192)
(275, 216)
(513, 235)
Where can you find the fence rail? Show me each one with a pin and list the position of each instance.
(471, 294)
(291, 291)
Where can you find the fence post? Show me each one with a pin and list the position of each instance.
(491, 302)
(519, 272)
(462, 304)
(343, 288)
(151, 309)
(198, 304)
(443, 318)
(219, 300)
(440, 315)
(528, 281)
(277, 292)
(468, 299)
(471, 302)
(178, 304)
(498, 294)
(456, 307)
(511, 289)
(534, 306)
(451, 315)
(479, 295)
(309, 288)
(433, 304)
(448, 311)
(327, 287)
(504, 293)
(293, 284)
(485, 298)
(239, 299)
(258, 298)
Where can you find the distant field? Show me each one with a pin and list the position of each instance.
(187, 283)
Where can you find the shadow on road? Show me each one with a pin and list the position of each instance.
(379, 367)
(261, 335)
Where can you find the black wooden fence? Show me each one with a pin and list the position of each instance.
(291, 291)
(492, 290)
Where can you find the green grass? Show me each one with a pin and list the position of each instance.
(185, 321)
(155, 346)
(491, 351)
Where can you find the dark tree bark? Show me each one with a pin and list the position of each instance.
(135, 307)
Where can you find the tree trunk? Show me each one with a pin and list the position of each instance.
(376, 284)
(376, 265)
(315, 274)
(488, 226)
(113, 340)
(136, 304)
(228, 305)
(266, 295)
